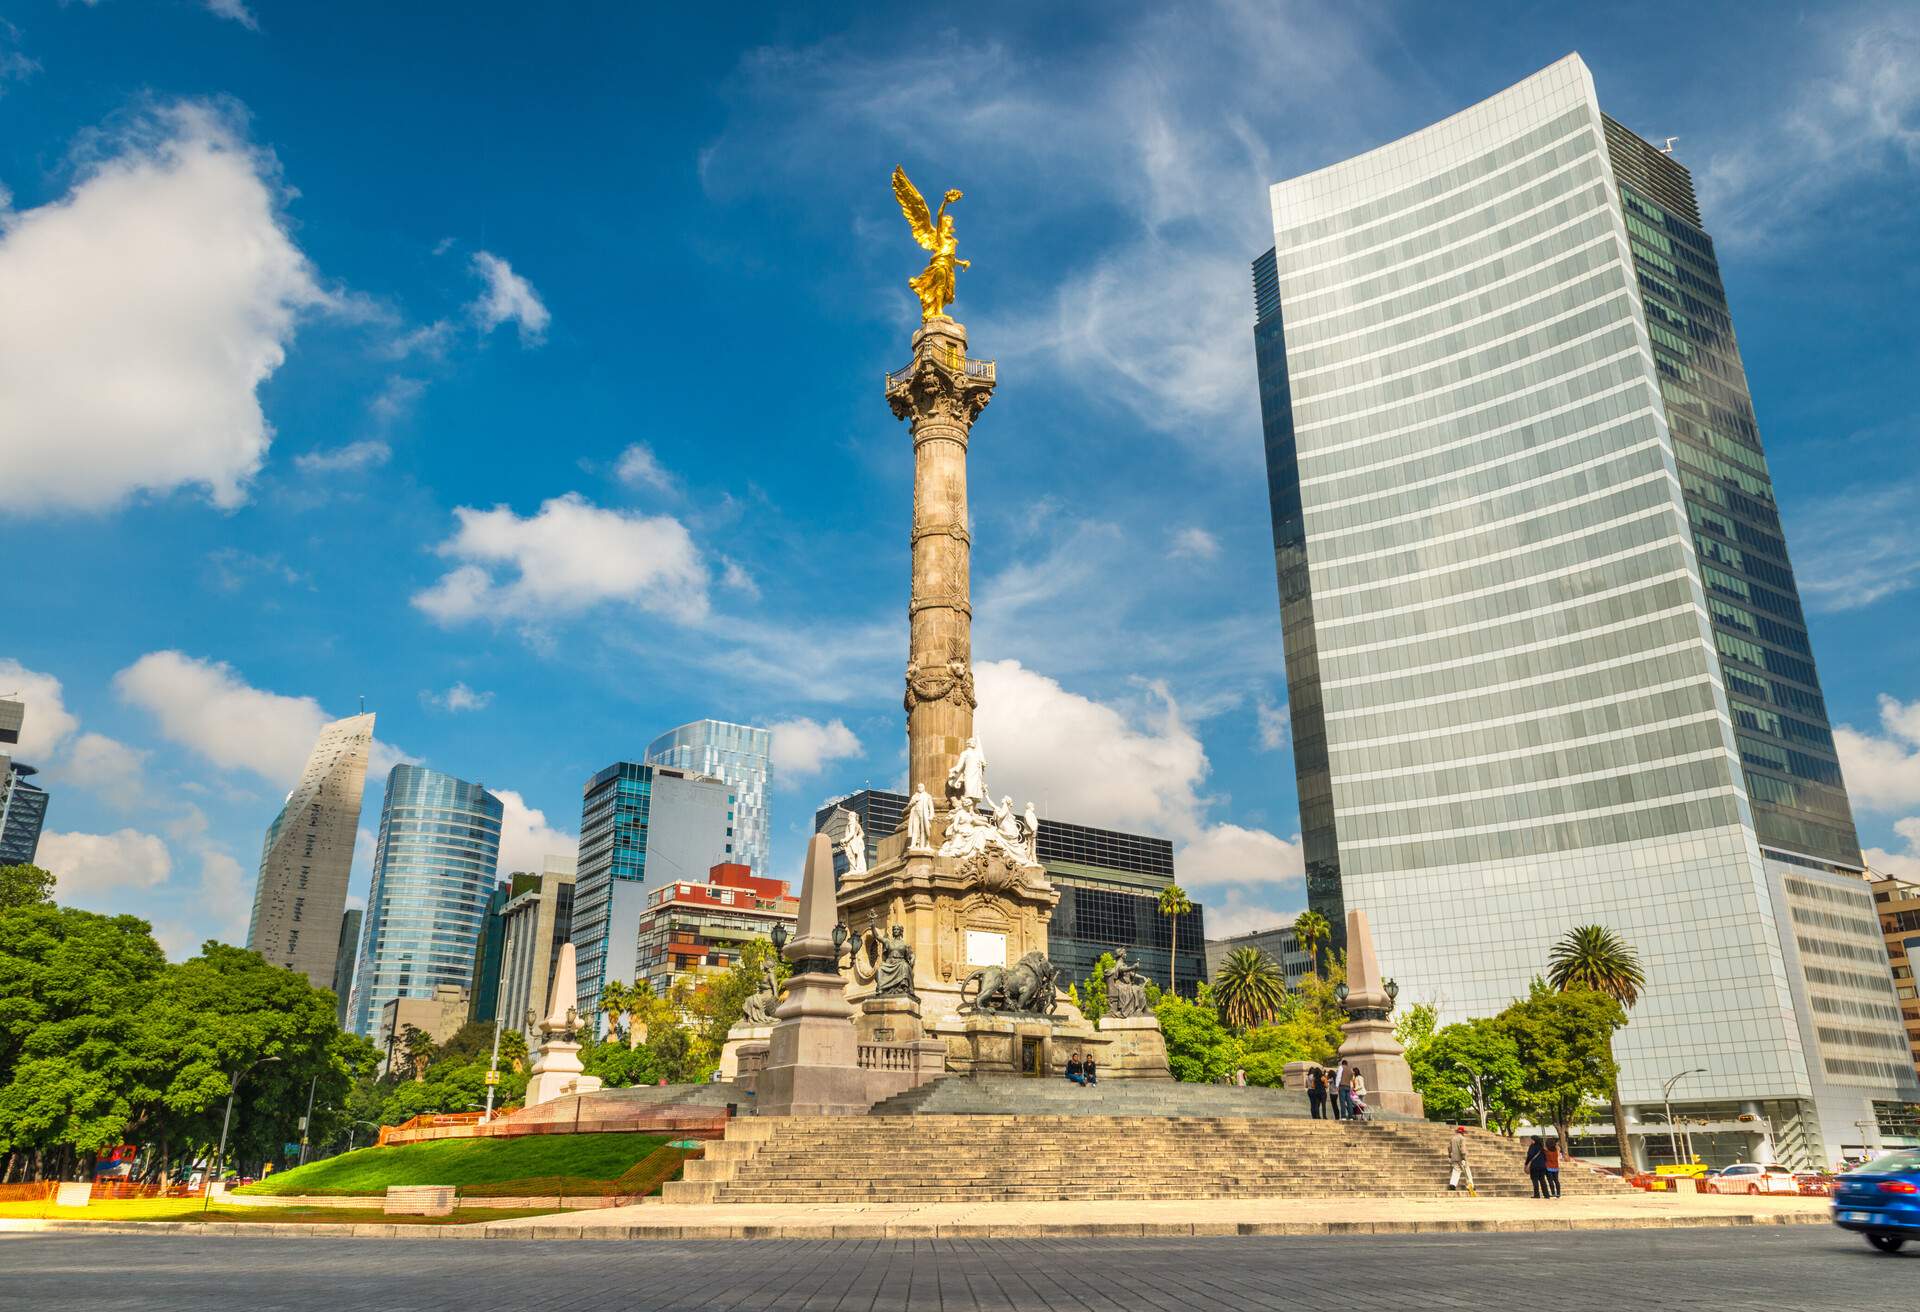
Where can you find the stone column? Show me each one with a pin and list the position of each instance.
(940, 393)
(1370, 1047)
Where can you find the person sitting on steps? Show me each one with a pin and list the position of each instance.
(1073, 1068)
(1089, 1071)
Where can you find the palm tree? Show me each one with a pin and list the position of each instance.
(613, 1001)
(1312, 932)
(420, 1050)
(1594, 957)
(1249, 987)
(1174, 903)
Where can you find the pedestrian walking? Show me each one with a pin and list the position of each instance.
(1317, 1093)
(1457, 1160)
(1537, 1166)
(1553, 1167)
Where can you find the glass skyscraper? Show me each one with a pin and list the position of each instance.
(738, 753)
(433, 875)
(1545, 655)
(641, 826)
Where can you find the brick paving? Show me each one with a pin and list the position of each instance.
(1775, 1269)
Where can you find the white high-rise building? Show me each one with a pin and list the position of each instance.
(1546, 658)
(307, 857)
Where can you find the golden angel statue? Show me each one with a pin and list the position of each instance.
(934, 232)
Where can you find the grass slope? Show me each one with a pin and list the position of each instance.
(583, 1160)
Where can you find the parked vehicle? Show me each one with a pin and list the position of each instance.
(1814, 1184)
(1881, 1200)
(1751, 1178)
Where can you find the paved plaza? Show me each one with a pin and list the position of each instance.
(1776, 1269)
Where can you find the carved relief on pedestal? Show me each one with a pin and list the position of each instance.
(947, 939)
(950, 682)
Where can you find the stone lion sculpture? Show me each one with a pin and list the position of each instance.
(1030, 986)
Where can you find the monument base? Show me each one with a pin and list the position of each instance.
(742, 1036)
(1136, 1049)
(892, 1020)
(557, 1072)
(1000, 1043)
(1372, 1050)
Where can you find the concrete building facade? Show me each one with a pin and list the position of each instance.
(1278, 943)
(537, 919)
(1545, 656)
(307, 856)
(700, 929)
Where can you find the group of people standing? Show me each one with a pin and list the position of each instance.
(1341, 1092)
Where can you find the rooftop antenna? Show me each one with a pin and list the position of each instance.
(363, 703)
(1668, 148)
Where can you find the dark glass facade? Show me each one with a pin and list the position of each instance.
(1109, 886)
(1319, 838)
(26, 812)
(483, 999)
(1779, 716)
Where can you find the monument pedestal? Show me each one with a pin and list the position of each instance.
(1136, 1049)
(891, 1020)
(742, 1037)
(557, 1071)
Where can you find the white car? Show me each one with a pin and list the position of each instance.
(1752, 1178)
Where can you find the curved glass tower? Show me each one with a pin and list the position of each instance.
(1527, 547)
(433, 873)
(738, 753)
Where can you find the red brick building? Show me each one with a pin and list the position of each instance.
(698, 929)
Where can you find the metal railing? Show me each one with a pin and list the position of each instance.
(981, 369)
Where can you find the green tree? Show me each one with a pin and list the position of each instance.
(1594, 957)
(1200, 1048)
(24, 885)
(1249, 987)
(419, 1050)
(1312, 932)
(1416, 1025)
(1174, 903)
(1093, 999)
(1471, 1068)
(1563, 1043)
(613, 1004)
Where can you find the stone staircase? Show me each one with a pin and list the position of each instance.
(998, 1095)
(930, 1158)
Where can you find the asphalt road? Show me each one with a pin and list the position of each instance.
(1775, 1270)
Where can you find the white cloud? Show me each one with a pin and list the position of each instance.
(226, 894)
(639, 468)
(47, 722)
(1086, 762)
(526, 839)
(139, 313)
(509, 298)
(1274, 724)
(351, 458)
(459, 698)
(207, 707)
(14, 67)
(235, 10)
(1855, 548)
(108, 769)
(734, 576)
(569, 557)
(1195, 544)
(1883, 772)
(1853, 114)
(802, 748)
(87, 865)
(1904, 865)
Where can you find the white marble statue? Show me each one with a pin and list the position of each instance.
(1005, 821)
(920, 819)
(1033, 834)
(967, 780)
(855, 845)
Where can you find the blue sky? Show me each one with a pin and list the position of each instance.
(518, 369)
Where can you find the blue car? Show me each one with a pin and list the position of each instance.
(1881, 1200)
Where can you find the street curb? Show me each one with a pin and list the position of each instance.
(908, 1230)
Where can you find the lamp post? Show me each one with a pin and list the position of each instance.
(350, 1124)
(220, 1161)
(306, 1122)
(1666, 1100)
(493, 1070)
(779, 936)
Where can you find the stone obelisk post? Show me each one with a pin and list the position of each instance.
(813, 1058)
(940, 393)
(1370, 1047)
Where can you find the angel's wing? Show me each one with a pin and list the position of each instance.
(914, 206)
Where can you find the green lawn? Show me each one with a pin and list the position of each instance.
(545, 1163)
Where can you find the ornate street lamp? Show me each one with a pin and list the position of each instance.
(1340, 994)
(779, 936)
(1393, 994)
